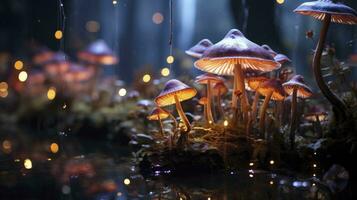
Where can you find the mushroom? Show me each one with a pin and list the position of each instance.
(233, 54)
(296, 88)
(271, 51)
(57, 65)
(316, 115)
(158, 114)
(328, 12)
(281, 58)
(209, 79)
(42, 55)
(173, 93)
(203, 101)
(271, 89)
(220, 89)
(197, 50)
(253, 83)
(98, 53)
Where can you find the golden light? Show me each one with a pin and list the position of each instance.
(210, 122)
(92, 26)
(122, 92)
(54, 147)
(51, 93)
(313, 184)
(251, 164)
(157, 18)
(3, 86)
(18, 65)
(49, 159)
(251, 175)
(271, 182)
(146, 78)
(314, 175)
(126, 181)
(225, 123)
(209, 198)
(23, 76)
(4, 94)
(271, 162)
(170, 59)
(58, 34)
(314, 165)
(165, 71)
(27, 163)
(280, 1)
(7, 146)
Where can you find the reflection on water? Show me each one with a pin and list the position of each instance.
(73, 169)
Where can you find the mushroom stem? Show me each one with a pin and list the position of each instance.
(318, 126)
(219, 102)
(205, 113)
(262, 112)
(293, 118)
(160, 125)
(239, 78)
(182, 114)
(255, 104)
(209, 102)
(339, 107)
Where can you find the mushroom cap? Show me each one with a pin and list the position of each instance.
(197, 50)
(297, 81)
(271, 51)
(255, 81)
(316, 111)
(339, 12)
(219, 87)
(144, 103)
(281, 58)
(98, 52)
(174, 87)
(204, 78)
(233, 49)
(157, 113)
(273, 85)
(203, 100)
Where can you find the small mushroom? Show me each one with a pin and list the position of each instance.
(98, 53)
(328, 12)
(209, 80)
(57, 65)
(296, 88)
(158, 114)
(316, 115)
(233, 54)
(173, 93)
(271, 89)
(197, 50)
(220, 89)
(253, 83)
(203, 101)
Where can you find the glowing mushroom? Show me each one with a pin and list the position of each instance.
(158, 114)
(197, 50)
(233, 54)
(328, 12)
(220, 89)
(316, 115)
(253, 83)
(209, 80)
(173, 93)
(296, 88)
(271, 89)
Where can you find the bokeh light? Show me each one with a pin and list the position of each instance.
(115, 2)
(51, 93)
(146, 78)
(126, 181)
(280, 1)
(54, 147)
(23, 76)
(3, 86)
(157, 18)
(7, 146)
(27, 163)
(92, 26)
(165, 71)
(18, 65)
(170, 59)
(58, 34)
(122, 92)
(225, 123)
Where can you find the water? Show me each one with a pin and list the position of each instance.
(92, 169)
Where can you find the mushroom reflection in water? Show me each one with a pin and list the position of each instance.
(233, 54)
(328, 12)
(271, 89)
(296, 88)
(158, 114)
(197, 50)
(209, 80)
(173, 93)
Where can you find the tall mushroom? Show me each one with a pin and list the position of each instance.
(271, 89)
(173, 93)
(297, 88)
(233, 54)
(158, 114)
(220, 89)
(197, 50)
(328, 12)
(253, 83)
(209, 80)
